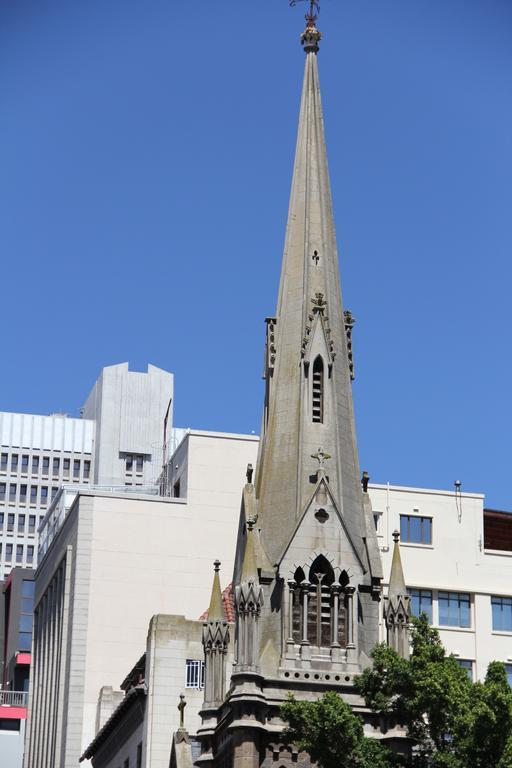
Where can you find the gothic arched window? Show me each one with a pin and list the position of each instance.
(318, 390)
(321, 577)
(321, 601)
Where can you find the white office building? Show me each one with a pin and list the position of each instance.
(37, 455)
(117, 442)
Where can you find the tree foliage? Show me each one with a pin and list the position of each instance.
(453, 722)
(331, 733)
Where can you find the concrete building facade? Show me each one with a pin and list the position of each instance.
(113, 562)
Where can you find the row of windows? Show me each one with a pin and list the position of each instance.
(24, 494)
(33, 465)
(23, 552)
(19, 523)
(455, 609)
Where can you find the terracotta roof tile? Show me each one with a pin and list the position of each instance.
(227, 603)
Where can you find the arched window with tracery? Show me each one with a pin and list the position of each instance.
(318, 390)
(321, 578)
(318, 606)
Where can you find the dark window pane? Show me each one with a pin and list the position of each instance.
(502, 614)
(421, 602)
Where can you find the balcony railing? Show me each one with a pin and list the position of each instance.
(13, 699)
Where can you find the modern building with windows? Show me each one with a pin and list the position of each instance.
(118, 441)
(37, 455)
(457, 561)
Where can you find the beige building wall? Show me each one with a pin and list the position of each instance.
(128, 557)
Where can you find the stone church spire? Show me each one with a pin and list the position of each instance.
(308, 370)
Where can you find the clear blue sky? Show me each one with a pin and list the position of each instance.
(145, 161)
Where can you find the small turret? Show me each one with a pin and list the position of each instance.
(248, 603)
(397, 609)
(215, 642)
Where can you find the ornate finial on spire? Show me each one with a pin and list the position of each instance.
(311, 35)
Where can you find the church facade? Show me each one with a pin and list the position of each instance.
(307, 577)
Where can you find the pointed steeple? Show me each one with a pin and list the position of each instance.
(308, 372)
(216, 610)
(248, 603)
(397, 608)
(215, 643)
(396, 578)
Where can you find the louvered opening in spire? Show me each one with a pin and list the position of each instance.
(318, 390)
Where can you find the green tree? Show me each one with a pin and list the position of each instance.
(332, 734)
(455, 723)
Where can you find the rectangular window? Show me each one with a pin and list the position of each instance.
(35, 465)
(33, 494)
(66, 464)
(466, 664)
(194, 676)
(31, 523)
(21, 523)
(19, 553)
(23, 494)
(2, 491)
(14, 462)
(377, 519)
(1, 521)
(76, 468)
(8, 552)
(501, 614)
(46, 465)
(55, 491)
(12, 492)
(139, 463)
(10, 522)
(56, 466)
(138, 764)
(421, 602)
(3, 462)
(30, 554)
(44, 495)
(454, 609)
(508, 671)
(24, 464)
(415, 529)
(87, 469)
(129, 463)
